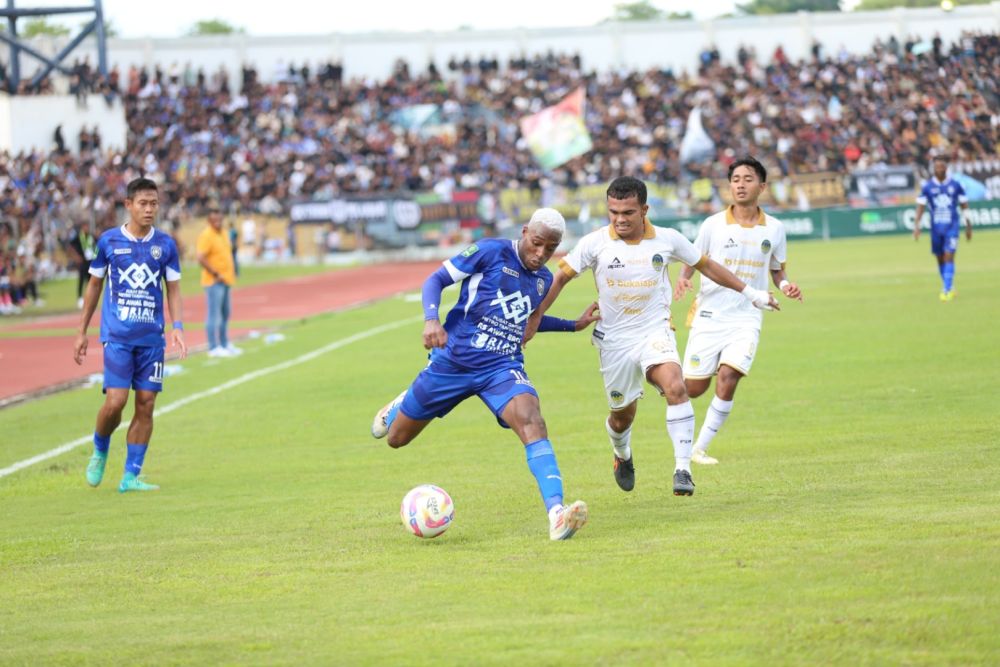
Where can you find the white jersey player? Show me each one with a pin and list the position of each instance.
(724, 329)
(629, 258)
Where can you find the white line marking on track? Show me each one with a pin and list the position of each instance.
(243, 379)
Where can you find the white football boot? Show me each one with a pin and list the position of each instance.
(565, 520)
(379, 425)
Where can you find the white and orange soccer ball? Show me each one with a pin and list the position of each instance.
(427, 510)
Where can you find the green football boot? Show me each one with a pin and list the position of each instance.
(95, 469)
(132, 483)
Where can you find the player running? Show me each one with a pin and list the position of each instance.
(629, 258)
(136, 259)
(478, 353)
(725, 329)
(943, 196)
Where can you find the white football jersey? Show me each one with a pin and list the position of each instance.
(633, 286)
(750, 253)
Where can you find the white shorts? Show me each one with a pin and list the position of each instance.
(624, 369)
(707, 349)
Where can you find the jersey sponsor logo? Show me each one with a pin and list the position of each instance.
(617, 398)
(616, 264)
(139, 276)
(470, 251)
(657, 262)
(598, 334)
(156, 251)
(511, 272)
(516, 307)
(730, 244)
(540, 286)
(123, 251)
(137, 314)
(765, 246)
(707, 314)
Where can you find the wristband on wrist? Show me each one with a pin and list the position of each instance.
(749, 292)
(783, 284)
(178, 325)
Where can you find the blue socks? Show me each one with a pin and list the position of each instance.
(133, 460)
(101, 443)
(542, 463)
(948, 275)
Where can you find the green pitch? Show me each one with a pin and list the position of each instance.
(852, 520)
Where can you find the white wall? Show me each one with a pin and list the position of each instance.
(29, 122)
(674, 44)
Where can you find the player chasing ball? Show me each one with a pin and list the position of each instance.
(477, 352)
(725, 328)
(635, 340)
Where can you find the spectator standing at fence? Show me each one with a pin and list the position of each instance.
(218, 275)
(943, 197)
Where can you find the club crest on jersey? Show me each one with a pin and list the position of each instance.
(541, 286)
(657, 262)
(156, 251)
(765, 246)
(470, 251)
(617, 398)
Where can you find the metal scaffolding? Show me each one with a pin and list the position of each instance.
(17, 46)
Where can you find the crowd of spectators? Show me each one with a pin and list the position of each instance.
(308, 133)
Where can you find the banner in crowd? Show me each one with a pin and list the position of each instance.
(557, 133)
(882, 186)
(798, 191)
(846, 222)
(984, 173)
(403, 212)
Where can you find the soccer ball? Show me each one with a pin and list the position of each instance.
(427, 510)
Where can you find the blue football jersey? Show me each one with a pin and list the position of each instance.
(486, 326)
(133, 294)
(942, 200)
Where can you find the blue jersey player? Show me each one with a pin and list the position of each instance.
(136, 260)
(477, 352)
(943, 197)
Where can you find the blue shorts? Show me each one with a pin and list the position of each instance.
(441, 386)
(133, 366)
(942, 242)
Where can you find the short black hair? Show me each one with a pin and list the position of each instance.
(942, 158)
(753, 163)
(624, 187)
(139, 184)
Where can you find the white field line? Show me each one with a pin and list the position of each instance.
(225, 386)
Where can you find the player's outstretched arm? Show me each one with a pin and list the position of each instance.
(683, 285)
(723, 276)
(91, 296)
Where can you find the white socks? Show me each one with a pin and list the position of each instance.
(620, 441)
(680, 427)
(715, 417)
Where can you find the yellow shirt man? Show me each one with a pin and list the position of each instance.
(215, 253)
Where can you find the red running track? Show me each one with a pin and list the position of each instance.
(36, 365)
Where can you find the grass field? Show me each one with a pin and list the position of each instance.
(852, 520)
